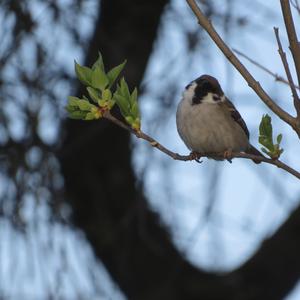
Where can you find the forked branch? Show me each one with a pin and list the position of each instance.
(292, 35)
(257, 64)
(288, 73)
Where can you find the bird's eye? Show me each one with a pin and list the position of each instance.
(188, 86)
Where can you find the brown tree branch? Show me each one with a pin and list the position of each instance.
(257, 64)
(196, 157)
(288, 73)
(292, 35)
(255, 85)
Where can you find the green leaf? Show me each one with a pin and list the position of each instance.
(266, 142)
(106, 95)
(123, 104)
(134, 96)
(99, 79)
(84, 74)
(124, 90)
(115, 72)
(89, 116)
(99, 63)
(266, 132)
(279, 138)
(134, 104)
(93, 93)
(102, 103)
(265, 127)
(110, 103)
(71, 109)
(266, 138)
(127, 102)
(98, 87)
(135, 110)
(73, 101)
(129, 120)
(78, 115)
(85, 105)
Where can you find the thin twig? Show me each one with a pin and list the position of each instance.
(292, 35)
(288, 73)
(255, 85)
(257, 64)
(296, 5)
(144, 136)
(192, 156)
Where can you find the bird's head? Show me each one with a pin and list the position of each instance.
(204, 89)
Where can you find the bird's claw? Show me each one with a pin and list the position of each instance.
(196, 156)
(228, 155)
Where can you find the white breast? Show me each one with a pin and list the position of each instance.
(206, 127)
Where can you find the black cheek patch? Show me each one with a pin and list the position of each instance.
(196, 100)
(199, 94)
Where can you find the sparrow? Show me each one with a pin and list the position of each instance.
(208, 122)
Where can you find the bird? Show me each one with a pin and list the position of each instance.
(208, 122)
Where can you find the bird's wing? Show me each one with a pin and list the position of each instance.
(235, 115)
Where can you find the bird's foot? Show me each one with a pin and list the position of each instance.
(195, 156)
(228, 155)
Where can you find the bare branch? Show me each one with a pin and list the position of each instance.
(196, 157)
(257, 64)
(144, 136)
(296, 5)
(288, 73)
(255, 85)
(292, 35)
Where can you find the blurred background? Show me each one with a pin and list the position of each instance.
(89, 212)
